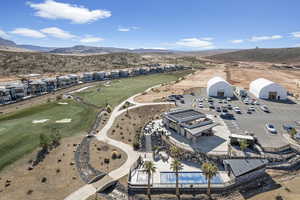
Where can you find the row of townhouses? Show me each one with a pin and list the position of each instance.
(15, 91)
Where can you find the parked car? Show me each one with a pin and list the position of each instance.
(256, 103)
(224, 110)
(227, 116)
(211, 106)
(271, 128)
(220, 101)
(237, 110)
(224, 101)
(251, 108)
(265, 108)
(200, 105)
(287, 127)
(218, 109)
(182, 101)
(210, 99)
(229, 106)
(246, 102)
(228, 99)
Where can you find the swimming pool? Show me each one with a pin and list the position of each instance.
(188, 178)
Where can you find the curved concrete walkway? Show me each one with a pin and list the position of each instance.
(90, 189)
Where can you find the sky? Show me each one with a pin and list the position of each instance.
(161, 24)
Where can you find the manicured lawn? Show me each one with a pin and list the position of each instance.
(18, 135)
(121, 89)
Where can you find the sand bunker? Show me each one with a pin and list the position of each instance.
(62, 103)
(40, 121)
(64, 121)
(81, 89)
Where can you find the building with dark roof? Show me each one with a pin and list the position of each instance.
(243, 169)
(189, 123)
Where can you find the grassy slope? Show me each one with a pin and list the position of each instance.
(19, 136)
(124, 88)
(287, 55)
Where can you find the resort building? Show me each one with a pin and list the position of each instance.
(266, 89)
(114, 74)
(74, 78)
(37, 87)
(218, 87)
(124, 73)
(189, 123)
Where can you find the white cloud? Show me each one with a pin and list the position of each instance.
(207, 38)
(123, 29)
(262, 38)
(57, 32)
(127, 29)
(28, 33)
(51, 9)
(195, 43)
(91, 39)
(237, 41)
(295, 34)
(3, 34)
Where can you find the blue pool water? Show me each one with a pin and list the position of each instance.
(188, 178)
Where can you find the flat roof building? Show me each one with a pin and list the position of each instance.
(189, 123)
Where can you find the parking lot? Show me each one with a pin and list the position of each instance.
(255, 123)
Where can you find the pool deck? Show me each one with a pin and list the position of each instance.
(140, 177)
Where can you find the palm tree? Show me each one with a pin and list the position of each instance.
(243, 144)
(210, 170)
(150, 168)
(176, 166)
(174, 151)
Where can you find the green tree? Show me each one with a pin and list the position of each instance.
(150, 168)
(210, 170)
(108, 108)
(293, 132)
(44, 141)
(174, 151)
(243, 144)
(176, 166)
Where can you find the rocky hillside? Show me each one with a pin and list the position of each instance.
(280, 55)
(32, 62)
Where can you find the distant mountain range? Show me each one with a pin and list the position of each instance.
(81, 49)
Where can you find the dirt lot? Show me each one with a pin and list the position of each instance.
(125, 127)
(242, 77)
(58, 168)
(99, 151)
(195, 80)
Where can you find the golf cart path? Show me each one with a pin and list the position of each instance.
(87, 190)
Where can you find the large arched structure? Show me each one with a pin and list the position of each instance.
(218, 87)
(266, 89)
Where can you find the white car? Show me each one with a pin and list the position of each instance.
(265, 108)
(228, 99)
(200, 105)
(237, 110)
(271, 128)
(246, 101)
(256, 103)
(251, 108)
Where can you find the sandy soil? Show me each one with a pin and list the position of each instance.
(242, 77)
(196, 80)
(58, 168)
(125, 127)
(99, 151)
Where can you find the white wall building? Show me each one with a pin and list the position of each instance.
(218, 87)
(266, 89)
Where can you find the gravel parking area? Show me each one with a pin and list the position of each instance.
(281, 113)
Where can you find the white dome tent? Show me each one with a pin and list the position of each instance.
(266, 89)
(218, 87)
